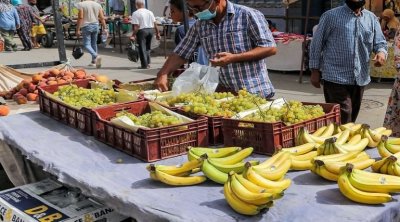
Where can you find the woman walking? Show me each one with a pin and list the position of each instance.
(9, 22)
(27, 18)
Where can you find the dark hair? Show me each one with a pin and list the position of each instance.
(177, 3)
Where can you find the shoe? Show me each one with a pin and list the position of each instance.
(92, 64)
(98, 62)
(108, 47)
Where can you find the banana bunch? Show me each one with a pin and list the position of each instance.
(217, 169)
(335, 146)
(178, 175)
(318, 136)
(352, 127)
(246, 197)
(388, 165)
(328, 167)
(374, 136)
(388, 146)
(366, 187)
(301, 155)
(196, 152)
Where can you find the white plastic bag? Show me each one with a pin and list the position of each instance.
(196, 78)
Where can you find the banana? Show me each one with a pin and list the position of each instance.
(346, 126)
(329, 131)
(396, 169)
(192, 156)
(323, 172)
(387, 132)
(213, 173)
(390, 170)
(308, 138)
(178, 181)
(337, 129)
(299, 137)
(382, 148)
(274, 173)
(384, 167)
(355, 129)
(248, 196)
(338, 157)
(326, 147)
(356, 195)
(301, 149)
(285, 157)
(334, 167)
(395, 141)
(235, 158)
(376, 167)
(271, 161)
(153, 176)
(239, 205)
(376, 136)
(377, 177)
(215, 153)
(307, 156)
(354, 139)
(342, 139)
(254, 177)
(255, 188)
(301, 164)
(366, 133)
(319, 131)
(392, 148)
(359, 147)
(368, 185)
(237, 167)
(195, 170)
(179, 169)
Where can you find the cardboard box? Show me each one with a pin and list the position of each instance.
(50, 201)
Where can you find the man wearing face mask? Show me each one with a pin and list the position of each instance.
(235, 37)
(340, 52)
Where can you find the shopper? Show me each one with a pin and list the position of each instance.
(9, 22)
(340, 53)
(90, 13)
(117, 7)
(392, 117)
(177, 15)
(389, 23)
(143, 26)
(235, 37)
(38, 29)
(27, 18)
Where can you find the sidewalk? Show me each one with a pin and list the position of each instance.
(117, 66)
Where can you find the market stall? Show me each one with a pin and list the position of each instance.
(126, 185)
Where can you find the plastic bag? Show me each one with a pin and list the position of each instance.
(196, 78)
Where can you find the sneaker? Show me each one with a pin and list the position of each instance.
(92, 64)
(98, 62)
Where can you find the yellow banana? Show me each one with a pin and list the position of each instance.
(274, 173)
(301, 149)
(179, 181)
(396, 169)
(346, 126)
(395, 141)
(369, 185)
(254, 177)
(237, 167)
(384, 167)
(382, 150)
(342, 139)
(285, 157)
(239, 205)
(378, 165)
(307, 156)
(319, 131)
(387, 132)
(192, 156)
(376, 136)
(359, 196)
(355, 129)
(213, 173)
(334, 167)
(248, 196)
(181, 168)
(235, 158)
(271, 161)
(377, 177)
(392, 148)
(301, 164)
(323, 172)
(337, 157)
(366, 134)
(390, 170)
(337, 129)
(359, 147)
(355, 139)
(254, 187)
(326, 147)
(215, 152)
(153, 176)
(329, 130)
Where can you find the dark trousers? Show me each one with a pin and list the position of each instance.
(348, 96)
(25, 38)
(144, 37)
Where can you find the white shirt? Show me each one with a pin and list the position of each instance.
(144, 18)
(167, 3)
(91, 11)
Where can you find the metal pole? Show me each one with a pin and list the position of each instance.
(59, 31)
(185, 16)
(304, 41)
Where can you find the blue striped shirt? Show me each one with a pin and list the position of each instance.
(342, 45)
(241, 30)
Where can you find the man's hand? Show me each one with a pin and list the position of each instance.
(133, 38)
(315, 78)
(158, 36)
(161, 83)
(380, 59)
(78, 33)
(222, 59)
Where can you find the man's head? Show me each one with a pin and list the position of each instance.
(176, 8)
(206, 9)
(32, 2)
(355, 4)
(140, 4)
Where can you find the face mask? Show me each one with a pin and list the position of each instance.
(355, 5)
(206, 14)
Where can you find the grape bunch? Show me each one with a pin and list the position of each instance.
(244, 101)
(81, 97)
(153, 119)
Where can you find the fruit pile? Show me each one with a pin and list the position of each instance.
(153, 119)
(81, 97)
(27, 90)
(291, 113)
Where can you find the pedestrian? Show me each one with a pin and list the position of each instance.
(27, 18)
(9, 22)
(340, 54)
(235, 38)
(143, 26)
(389, 23)
(177, 15)
(117, 7)
(392, 117)
(90, 13)
(38, 29)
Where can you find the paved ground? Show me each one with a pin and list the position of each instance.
(117, 66)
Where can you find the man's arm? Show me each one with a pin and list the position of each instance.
(380, 45)
(79, 22)
(165, 11)
(158, 36)
(102, 20)
(17, 20)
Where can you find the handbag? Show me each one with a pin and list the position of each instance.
(77, 51)
(133, 51)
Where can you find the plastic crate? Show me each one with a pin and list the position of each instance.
(79, 119)
(266, 138)
(147, 144)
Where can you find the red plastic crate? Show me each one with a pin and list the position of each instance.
(266, 138)
(147, 144)
(79, 119)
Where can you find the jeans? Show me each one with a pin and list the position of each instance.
(89, 35)
(144, 37)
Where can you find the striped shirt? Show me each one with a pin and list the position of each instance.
(342, 45)
(241, 30)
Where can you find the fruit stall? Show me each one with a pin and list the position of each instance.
(147, 154)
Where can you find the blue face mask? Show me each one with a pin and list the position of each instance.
(206, 14)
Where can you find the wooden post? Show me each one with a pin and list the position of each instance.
(59, 31)
(304, 41)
